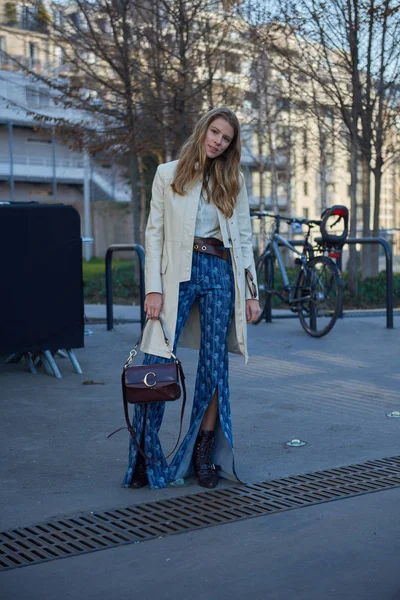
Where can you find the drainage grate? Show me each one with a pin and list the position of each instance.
(88, 532)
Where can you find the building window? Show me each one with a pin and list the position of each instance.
(37, 96)
(232, 62)
(39, 140)
(330, 117)
(32, 54)
(60, 55)
(305, 139)
(305, 149)
(58, 18)
(29, 17)
(305, 188)
(305, 213)
(32, 96)
(283, 103)
(252, 98)
(349, 190)
(44, 97)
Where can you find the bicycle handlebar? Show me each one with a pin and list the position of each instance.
(288, 220)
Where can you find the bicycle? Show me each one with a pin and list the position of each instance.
(317, 294)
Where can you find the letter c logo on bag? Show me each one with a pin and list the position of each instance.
(148, 383)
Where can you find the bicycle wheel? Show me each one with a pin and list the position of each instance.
(265, 281)
(322, 296)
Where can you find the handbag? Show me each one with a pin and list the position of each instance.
(144, 384)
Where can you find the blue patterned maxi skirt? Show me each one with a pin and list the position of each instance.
(212, 286)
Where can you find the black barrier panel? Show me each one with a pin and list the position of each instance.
(41, 288)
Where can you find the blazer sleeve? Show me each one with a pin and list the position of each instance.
(154, 236)
(244, 222)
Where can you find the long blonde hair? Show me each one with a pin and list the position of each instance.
(221, 175)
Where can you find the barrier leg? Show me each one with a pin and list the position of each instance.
(29, 362)
(41, 358)
(52, 363)
(14, 358)
(74, 361)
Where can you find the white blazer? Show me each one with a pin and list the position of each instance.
(169, 248)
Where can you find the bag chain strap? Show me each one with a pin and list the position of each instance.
(133, 352)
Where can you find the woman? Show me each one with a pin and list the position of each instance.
(200, 277)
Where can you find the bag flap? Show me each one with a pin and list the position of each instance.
(149, 376)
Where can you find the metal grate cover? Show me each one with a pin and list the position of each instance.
(88, 532)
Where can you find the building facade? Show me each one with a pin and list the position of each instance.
(295, 160)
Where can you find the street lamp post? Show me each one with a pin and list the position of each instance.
(11, 153)
(86, 204)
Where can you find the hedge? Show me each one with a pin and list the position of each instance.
(372, 291)
(125, 288)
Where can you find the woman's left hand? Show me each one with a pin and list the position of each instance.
(252, 310)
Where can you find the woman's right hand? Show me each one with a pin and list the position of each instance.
(153, 305)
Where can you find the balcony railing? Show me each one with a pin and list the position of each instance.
(31, 25)
(36, 161)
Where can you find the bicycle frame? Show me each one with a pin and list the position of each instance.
(315, 293)
(279, 240)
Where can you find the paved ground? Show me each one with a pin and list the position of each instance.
(333, 393)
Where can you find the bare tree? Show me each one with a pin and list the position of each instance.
(358, 71)
(386, 96)
(270, 118)
(140, 71)
(186, 47)
(307, 42)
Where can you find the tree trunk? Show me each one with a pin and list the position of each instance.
(322, 170)
(366, 212)
(261, 204)
(289, 194)
(260, 169)
(274, 184)
(376, 229)
(353, 275)
(290, 157)
(142, 202)
(135, 195)
(322, 179)
(323, 167)
(379, 140)
(274, 174)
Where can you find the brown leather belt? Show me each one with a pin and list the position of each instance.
(210, 246)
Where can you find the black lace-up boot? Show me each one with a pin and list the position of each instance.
(205, 470)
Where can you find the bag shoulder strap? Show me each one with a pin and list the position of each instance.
(181, 377)
(132, 432)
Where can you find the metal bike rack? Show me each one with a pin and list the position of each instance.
(109, 293)
(389, 270)
(389, 273)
